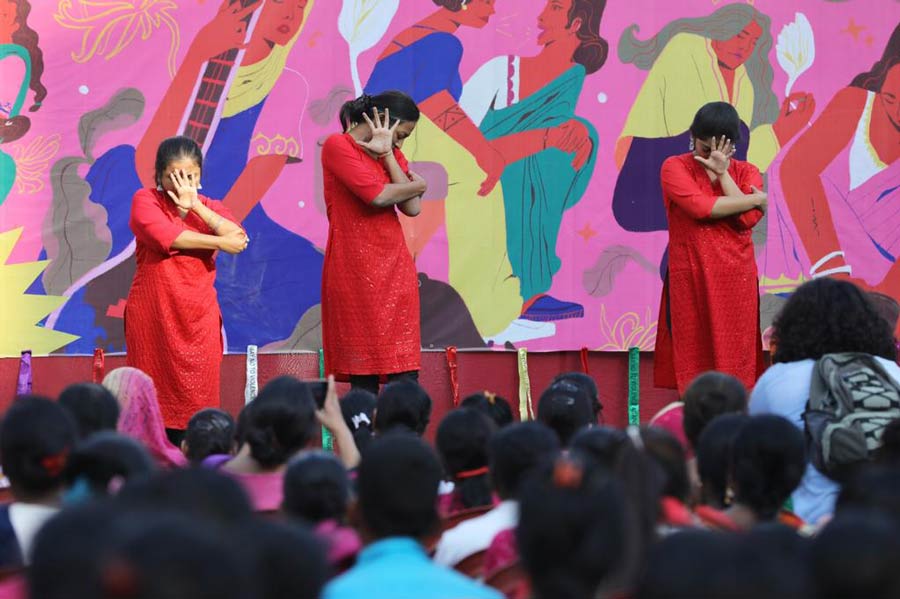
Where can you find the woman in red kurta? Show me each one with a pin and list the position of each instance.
(709, 312)
(370, 294)
(172, 319)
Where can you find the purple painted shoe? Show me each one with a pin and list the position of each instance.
(546, 308)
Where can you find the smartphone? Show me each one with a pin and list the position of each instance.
(318, 388)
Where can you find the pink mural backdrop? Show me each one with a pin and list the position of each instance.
(544, 124)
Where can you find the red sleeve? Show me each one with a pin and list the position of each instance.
(348, 166)
(151, 224)
(747, 175)
(679, 187)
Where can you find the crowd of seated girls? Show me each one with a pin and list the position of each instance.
(715, 497)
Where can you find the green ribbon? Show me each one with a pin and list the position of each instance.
(327, 439)
(634, 386)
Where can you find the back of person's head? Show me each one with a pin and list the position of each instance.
(197, 492)
(36, 436)
(316, 488)
(600, 444)
(103, 460)
(709, 395)
(209, 432)
(571, 532)
(665, 449)
(714, 451)
(462, 442)
(875, 488)
(587, 384)
(92, 407)
(280, 421)
(397, 485)
(286, 561)
(400, 106)
(856, 555)
(889, 452)
(403, 404)
(358, 409)
(828, 315)
(516, 451)
(566, 407)
(768, 461)
(491, 405)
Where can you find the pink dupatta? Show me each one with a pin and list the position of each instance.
(140, 417)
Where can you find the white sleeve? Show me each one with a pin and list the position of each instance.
(759, 397)
(484, 89)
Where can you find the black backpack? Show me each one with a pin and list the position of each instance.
(851, 399)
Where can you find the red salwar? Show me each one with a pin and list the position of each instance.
(172, 319)
(370, 292)
(709, 311)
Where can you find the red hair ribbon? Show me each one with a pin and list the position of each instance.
(453, 366)
(584, 360)
(99, 365)
(471, 473)
(54, 464)
(567, 474)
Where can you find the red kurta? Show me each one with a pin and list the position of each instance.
(709, 312)
(370, 292)
(172, 319)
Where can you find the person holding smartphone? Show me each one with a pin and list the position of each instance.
(370, 294)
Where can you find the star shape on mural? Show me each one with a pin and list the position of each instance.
(853, 29)
(587, 232)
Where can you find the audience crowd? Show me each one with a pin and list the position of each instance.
(719, 495)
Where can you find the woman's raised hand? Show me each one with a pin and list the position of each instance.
(721, 151)
(382, 142)
(185, 194)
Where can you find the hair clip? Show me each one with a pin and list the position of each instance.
(54, 464)
(490, 397)
(567, 474)
(471, 473)
(359, 419)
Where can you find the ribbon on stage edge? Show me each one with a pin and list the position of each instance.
(584, 361)
(251, 389)
(23, 383)
(453, 366)
(634, 386)
(327, 440)
(98, 368)
(526, 410)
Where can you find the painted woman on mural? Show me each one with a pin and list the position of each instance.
(692, 61)
(840, 183)
(423, 61)
(264, 291)
(21, 67)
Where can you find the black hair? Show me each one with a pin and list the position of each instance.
(565, 407)
(828, 315)
(768, 461)
(176, 148)
(873, 79)
(709, 395)
(209, 432)
(875, 489)
(36, 436)
(493, 406)
(403, 404)
(451, 5)
(889, 452)
(586, 383)
(516, 451)
(600, 444)
(200, 493)
(593, 50)
(316, 488)
(717, 119)
(92, 406)
(397, 484)
(668, 452)
(104, 456)
(400, 105)
(856, 555)
(462, 442)
(571, 532)
(285, 559)
(358, 409)
(713, 453)
(280, 421)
